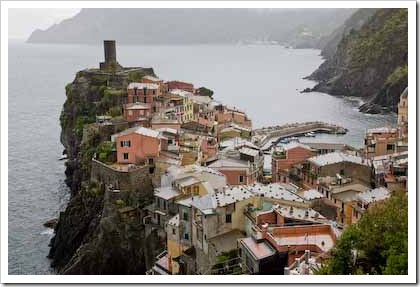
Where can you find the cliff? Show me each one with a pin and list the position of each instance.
(101, 231)
(370, 60)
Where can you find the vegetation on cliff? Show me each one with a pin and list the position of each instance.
(377, 244)
(93, 236)
(370, 61)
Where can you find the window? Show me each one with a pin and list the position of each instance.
(228, 218)
(130, 112)
(173, 231)
(185, 216)
(154, 92)
(195, 188)
(186, 236)
(389, 147)
(145, 99)
(164, 204)
(125, 143)
(241, 179)
(341, 171)
(125, 155)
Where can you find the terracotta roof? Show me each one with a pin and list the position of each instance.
(259, 250)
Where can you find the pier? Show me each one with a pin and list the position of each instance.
(266, 137)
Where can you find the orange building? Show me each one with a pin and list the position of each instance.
(381, 141)
(289, 155)
(138, 145)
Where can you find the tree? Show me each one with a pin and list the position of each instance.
(205, 92)
(377, 244)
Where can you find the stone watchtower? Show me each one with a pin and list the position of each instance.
(110, 64)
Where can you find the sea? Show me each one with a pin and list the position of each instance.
(263, 80)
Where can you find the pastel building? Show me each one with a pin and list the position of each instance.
(138, 145)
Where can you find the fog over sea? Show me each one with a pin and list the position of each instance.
(263, 80)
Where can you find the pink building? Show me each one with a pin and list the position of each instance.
(138, 145)
(137, 112)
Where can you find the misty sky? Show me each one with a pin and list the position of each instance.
(22, 21)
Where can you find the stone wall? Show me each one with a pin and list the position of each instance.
(138, 179)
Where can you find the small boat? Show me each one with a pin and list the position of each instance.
(310, 134)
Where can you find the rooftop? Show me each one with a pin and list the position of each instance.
(185, 202)
(293, 145)
(259, 250)
(226, 241)
(311, 194)
(187, 181)
(381, 130)
(249, 151)
(206, 204)
(181, 93)
(336, 157)
(143, 86)
(330, 146)
(373, 195)
(151, 78)
(137, 106)
(138, 130)
(307, 214)
(229, 163)
(166, 192)
(277, 191)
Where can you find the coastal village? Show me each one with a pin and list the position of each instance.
(231, 199)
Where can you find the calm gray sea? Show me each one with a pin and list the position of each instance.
(263, 80)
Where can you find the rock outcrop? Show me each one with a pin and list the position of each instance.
(100, 231)
(370, 60)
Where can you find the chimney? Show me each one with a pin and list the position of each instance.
(264, 230)
(307, 255)
(286, 271)
(297, 262)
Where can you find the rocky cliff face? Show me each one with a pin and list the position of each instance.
(99, 232)
(370, 61)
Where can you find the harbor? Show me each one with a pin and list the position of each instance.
(267, 137)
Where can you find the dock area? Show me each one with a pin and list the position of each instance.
(266, 137)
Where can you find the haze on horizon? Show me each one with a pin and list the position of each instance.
(23, 21)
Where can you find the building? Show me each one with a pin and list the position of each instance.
(282, 234)
(365, 199)
(344, 164)
(188, 105)
(216, 179)
(403, 115)
(137, 113)
(383, 141)
(138, 145)
(391, 171)
(237, 172)
(163, 88)
(144, 93)
(178, 85)
(323, 148)
(284, 158)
